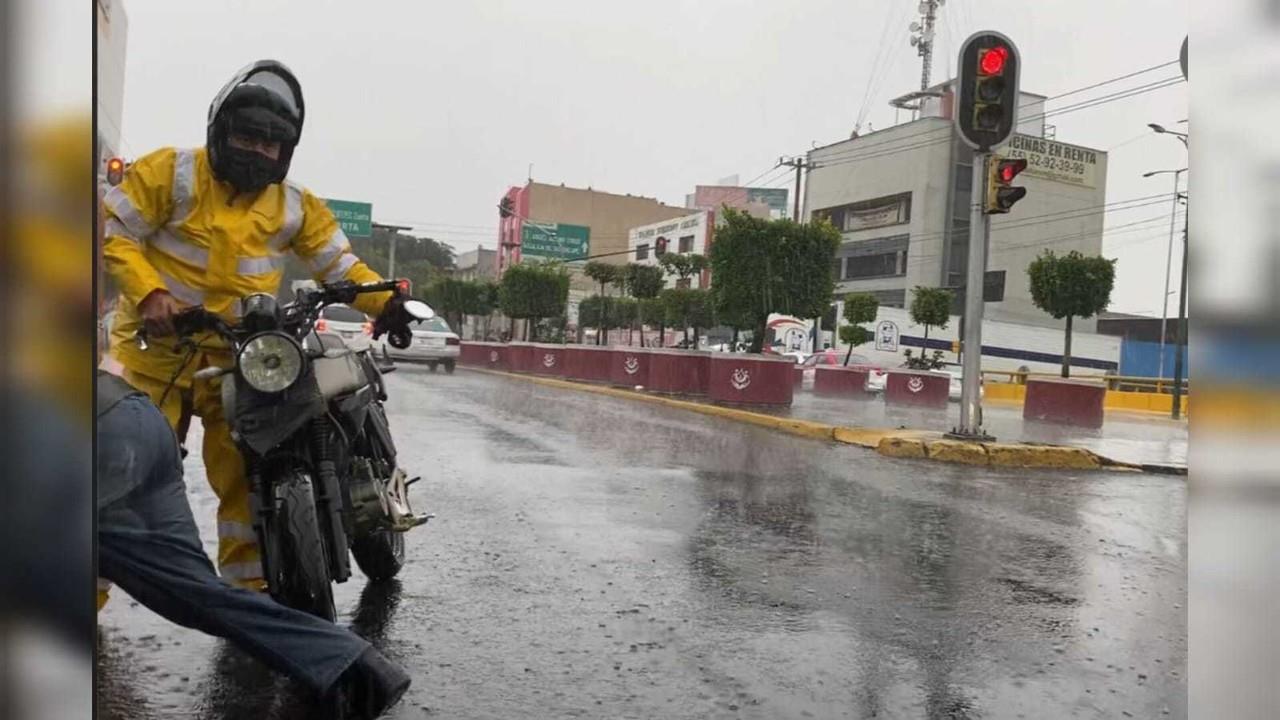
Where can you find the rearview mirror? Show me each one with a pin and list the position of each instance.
(419, 309)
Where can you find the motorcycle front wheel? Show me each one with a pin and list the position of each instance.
(380, 554)
(298, 568)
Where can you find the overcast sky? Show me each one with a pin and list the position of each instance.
(430, 111)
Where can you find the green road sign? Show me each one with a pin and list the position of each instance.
(356, 218)
(554, 241)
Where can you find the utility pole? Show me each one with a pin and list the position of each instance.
(391, 253)
(802, 164)
(1181, 330)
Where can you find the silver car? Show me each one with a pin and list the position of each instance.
(434, 343)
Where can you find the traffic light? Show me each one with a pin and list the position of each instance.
(987, 111)
(115, 171)
(660, 247)
(505, 209)
(1000, 194)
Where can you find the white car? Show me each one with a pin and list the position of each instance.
(434, 343)
(354, 327)
(875, 375)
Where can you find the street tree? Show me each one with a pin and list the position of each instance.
(451, 299)
(683, 266)
(1070, 286)
(688, 308)
(605, 274)
(643, 282)
(930, 307)
(530, 291)
(593, 313)
(653, 313)
(761, 266)
(858, 308)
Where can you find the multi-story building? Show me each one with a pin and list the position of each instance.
(690, 234)
(478, 264)
(555, 222)
(901, 198)
(113, 33)
(761, 202)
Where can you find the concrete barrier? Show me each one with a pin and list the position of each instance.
(547, 360)
(520, 357)
(919, 388)
(743, 379)
(1068, 402)
(489, 355)
(629, 367)
(587, 363)
(679, 372)
(841, 381)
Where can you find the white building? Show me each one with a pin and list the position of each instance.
(113, 34)
(901, 198)
(684, 235)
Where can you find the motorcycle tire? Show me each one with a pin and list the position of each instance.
(379, 555)
(448, 368)
(295, 549)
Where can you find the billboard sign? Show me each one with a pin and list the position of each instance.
(554, 241)
(1053, 160)
(355, 218)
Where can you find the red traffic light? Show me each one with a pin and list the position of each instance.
(1009, 169)
(992, 60)
(115, 170)
(661, 246)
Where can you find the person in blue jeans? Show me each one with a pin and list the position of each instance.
(148, 545)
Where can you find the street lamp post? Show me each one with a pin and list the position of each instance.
(1168, 263)
(1181, 329)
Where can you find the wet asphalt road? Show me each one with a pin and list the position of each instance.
(599, 558)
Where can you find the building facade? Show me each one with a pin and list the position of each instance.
(554, 222)
(901, 198)
(478, 264)
(690, 234)
(762, 202)
(113, 34)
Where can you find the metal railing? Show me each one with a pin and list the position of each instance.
(1113, 382)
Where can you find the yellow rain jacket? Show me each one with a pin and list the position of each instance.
(171, 225)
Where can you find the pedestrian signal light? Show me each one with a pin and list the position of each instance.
(115, 171)
(1000, 194)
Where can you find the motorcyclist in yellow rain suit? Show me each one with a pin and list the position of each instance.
(208, 226)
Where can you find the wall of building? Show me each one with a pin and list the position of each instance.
(911, 159)
(697, 228)
(478, 264)
(113, 34)
(609, 216)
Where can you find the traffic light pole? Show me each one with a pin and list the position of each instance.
(971, 349)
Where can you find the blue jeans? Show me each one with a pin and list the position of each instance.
(149, 546)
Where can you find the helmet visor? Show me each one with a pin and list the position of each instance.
(278, 87)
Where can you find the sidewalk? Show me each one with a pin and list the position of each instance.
(1131, 437)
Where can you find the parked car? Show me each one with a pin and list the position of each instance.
(434, 343)
(354, 327)
(875, 377)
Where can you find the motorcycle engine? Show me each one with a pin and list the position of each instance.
(379, 497)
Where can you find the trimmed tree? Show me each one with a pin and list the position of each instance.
(643, 282)
(1071, 286)
(605, 274)
(683, 266)
(763, 266)
(533, 291)
(687, 308)
(858, 308)
(653, 312)
(930, 307)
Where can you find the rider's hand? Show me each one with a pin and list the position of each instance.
(157, 310)
(393, 316)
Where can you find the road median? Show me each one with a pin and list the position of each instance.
(899, 443)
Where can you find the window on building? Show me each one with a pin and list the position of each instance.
(642, 251)
(890, 264)
(837, 268)
(686, 244)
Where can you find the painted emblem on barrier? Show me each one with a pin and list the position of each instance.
(631, 365)
(493, 356)
(741, 379)
(915, 384)
(549, 360)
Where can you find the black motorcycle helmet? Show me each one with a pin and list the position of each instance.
(264, 101)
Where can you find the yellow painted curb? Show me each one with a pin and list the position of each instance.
(1041, 456)
(895, 443)
(901, 447)
(957, 451)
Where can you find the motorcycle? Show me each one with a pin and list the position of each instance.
(307, 414)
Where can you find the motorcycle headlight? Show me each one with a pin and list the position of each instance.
(270, 362)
